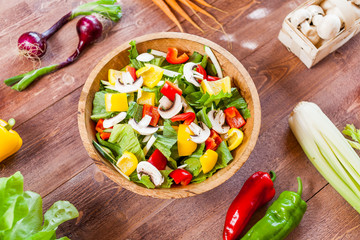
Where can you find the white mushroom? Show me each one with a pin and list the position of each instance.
(114, 120)
(301, 19)
(317, 13)
(300, 16)
(145, 57)
(336, 11)
(141, 128)
(171, 111)
(145, 121)
(329, 27)
(217, 119)
(128, 88)
(165, 103)
(189, 74)
(357, 2)
(200, 133)
(326, 5)
(146, 168)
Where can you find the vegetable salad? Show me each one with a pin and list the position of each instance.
(168, 118)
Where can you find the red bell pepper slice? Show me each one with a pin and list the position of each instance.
(256, 191)
(132, 71)
(188, 118)
(170, 90)
(152, 112)
(202, 71)
(173, 58)
(105, 135)
(234, 118)
(158, 160)
(212, 78)
(99, 126)
(181, 176)
(213, 141)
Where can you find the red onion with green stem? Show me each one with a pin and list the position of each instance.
(33, 45)
(89, 28)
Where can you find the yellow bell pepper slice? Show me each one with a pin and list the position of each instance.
(235, 138)
(147, 98)
(127, 163)
(151, 74)
(208, 160)
(215, 87)
(185, 146)
(113, 76)
(10, 141)
(116, 102)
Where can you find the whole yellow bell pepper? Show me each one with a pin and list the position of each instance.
(208, 160)
(185, 146)
(10, 141)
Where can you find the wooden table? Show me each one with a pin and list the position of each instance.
(55, 164)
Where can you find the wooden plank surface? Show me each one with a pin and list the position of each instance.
(55, 164)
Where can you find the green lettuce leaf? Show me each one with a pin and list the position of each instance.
(99, 110)
(236, 100)
(167, 180)
(115, 148)
(59, 212)
(133, 53)
(200, 100)
(195, 57)
(166, 141)
(193, 162)
(145, 180)
(125, 136)
(135, 111)
(203, 117)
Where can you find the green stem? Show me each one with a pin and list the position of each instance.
(300, 187)
(10, 124)
(29, 77)
(273, 175)
(13, 80)
(107, 8)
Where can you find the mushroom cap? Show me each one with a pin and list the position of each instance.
(128, 88)
(146, 168)
(315, 10)
(173, 110)
(326, 5)
(299, 16)
(148, 130)
(200, 133)
(188, 73)
(329, 27)
(217, 119)
(114, 120)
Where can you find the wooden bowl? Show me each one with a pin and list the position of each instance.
(118, 58)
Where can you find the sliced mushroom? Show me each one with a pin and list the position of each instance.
(114, 120)
(200, 133)
(146, 168)
(165, 103)
(145, 121)
(189, 75)
(329, 27)
(171, 111)
(126, 78)
(145, 57)
(147, 130)
(128, 88)
(217, 119)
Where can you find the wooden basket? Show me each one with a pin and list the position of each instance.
(301, 46)
(118, 58)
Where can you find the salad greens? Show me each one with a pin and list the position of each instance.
(161, 137)
(21, 215)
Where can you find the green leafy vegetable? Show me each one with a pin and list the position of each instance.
(173, 67)
(354, 133)
(165, 142)
(133, 51)
(158, 61)
(167, 180)
(203, 117)
(127, 139)
(193, 162)
(99, 110)
(21, 215)
(200, 100)
(236, 100)
(134, 111)
(172, 163)
(115, 148)
(195, 57)
(210, 69)
(204, 61)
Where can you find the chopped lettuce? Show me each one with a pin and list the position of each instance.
(145, 180)
(236, 100)
(133, 53)
(158, 61)
(99, 110)
(114, 147)
(203, 117)
(210, 69)
(199, 99)
(173, 67)
(166, 141)
(193, 162)
(125, 136)
(172, 163)
(195, 57)
(167, 180)
(134, 111)
(22, 214)
(204, 61)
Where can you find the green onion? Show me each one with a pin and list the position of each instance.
(328, 150)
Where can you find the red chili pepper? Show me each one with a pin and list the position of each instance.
(132, 71)
(152, 112)
(105, 135)
(173, 58)
(181, 176)
(256, 191)
(170, 90)
(212, 78)
(213, 141)
(188, 118)
(202, 71)
(234, 118)
(158, 160)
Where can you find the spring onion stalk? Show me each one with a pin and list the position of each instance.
(328, 150)
(212, 57)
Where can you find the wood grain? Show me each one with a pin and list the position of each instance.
(50, 166)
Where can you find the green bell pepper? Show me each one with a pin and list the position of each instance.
(281, 218)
